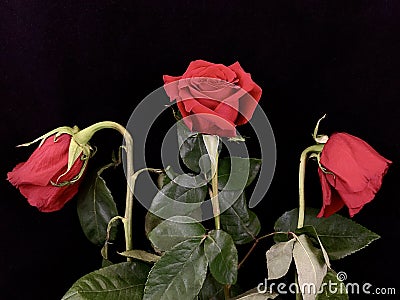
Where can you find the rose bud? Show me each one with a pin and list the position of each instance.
(213, 98)
(351, 174)
(52, 174)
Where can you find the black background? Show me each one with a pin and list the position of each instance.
(79, 62)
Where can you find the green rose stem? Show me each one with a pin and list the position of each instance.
(214, 199)
(83, 136)
(321, 139)
(211, 142)
(216, 208)
(302, 171)
(314, 149)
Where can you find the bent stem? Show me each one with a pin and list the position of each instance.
(302, 171)
(128, 216)
(86, 134)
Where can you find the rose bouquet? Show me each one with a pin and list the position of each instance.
(206, 176)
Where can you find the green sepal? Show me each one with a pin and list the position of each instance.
(319, 138)
(56, 132)
(76, 149)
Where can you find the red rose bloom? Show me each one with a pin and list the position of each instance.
(47, 165)
(213, 98)
(353, 175)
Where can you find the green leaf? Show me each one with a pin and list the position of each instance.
(184, 180)
(211, 289)
(106, 263)
(141, 255)
(311, 268)
(96, 207)
(175, 230)
(174, 200)
(120, 281)
(222, 256)
(279, 258)
(254, 294)
(151, 221)
(238, 220)
(179, 274)
(332, 288)
(236, 173)
(192, 147)
(339, 235)
(183, 132)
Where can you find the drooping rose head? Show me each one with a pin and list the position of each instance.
(214, 98)
(43, 179)
(352, 174)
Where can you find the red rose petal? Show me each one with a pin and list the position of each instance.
(207, 88)
(331, 201)
(211, 124)
(357, 169)
(352, 161)
(47, 163)
(171, 86)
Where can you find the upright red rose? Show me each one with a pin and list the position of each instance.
(37, 178)
(352, 175)
(214, 98)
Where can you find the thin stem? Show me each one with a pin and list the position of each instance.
(104, 250)
(302, 171)
(227, 292)
(214, 198)
(254, 246)
(248, 254)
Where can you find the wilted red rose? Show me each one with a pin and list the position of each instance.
(353, 174)
(214, 98)
(47, 165)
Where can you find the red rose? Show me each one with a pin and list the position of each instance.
(213, 98)
(353, 175)
(47, 165)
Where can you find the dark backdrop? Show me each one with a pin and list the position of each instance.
(79, 62)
